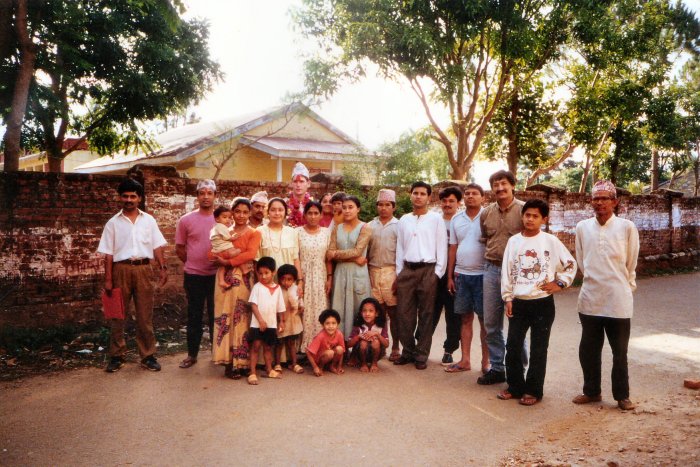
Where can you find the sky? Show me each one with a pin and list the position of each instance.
(262, 56)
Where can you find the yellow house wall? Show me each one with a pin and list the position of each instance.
(299, 126)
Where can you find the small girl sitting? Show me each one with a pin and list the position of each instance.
(369, 338)
(222, 241)
(287, 276)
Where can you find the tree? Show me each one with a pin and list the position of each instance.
(414, 156)
(100, 67)
(473, 55)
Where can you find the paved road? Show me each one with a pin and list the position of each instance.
(400, 416)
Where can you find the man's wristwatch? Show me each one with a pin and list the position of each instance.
(560, 283)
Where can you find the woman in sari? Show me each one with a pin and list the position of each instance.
(231, 309)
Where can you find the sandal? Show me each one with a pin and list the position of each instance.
(395, 355)
(188, 362)
(455, 368)
(274, 374)
(505, 395)
(253, 380)
(278, 368)
(298, 369)
(528, 400)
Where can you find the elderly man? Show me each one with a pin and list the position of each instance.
(299, 195)
(606, 252)
(499, 221)
(130, 241)
(191, 246)
(257, 214)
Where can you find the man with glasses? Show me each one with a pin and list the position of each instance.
(606, 252)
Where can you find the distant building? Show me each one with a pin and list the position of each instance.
(267, 144)
(683, 183)
(37, 162)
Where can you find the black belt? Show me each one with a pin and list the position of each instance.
(134, 262)
(422, 264)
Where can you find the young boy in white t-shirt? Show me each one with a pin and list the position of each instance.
(268, 308)
(535, 265)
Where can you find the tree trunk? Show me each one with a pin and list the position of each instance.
(586, 171)
(696, 169)
(54, 154)
(513, 150)
(654, 169)
(21, 89)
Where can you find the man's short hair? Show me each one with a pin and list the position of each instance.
(502, 174)
(338, 196)
(325, 314)
(474, 186)
(450, 190)
(220, 210)
(422, 184)
(266, 262)
(536, 203)
(128, 185)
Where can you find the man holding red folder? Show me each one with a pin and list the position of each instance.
(130, 241)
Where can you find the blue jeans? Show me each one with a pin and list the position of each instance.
(493, 317)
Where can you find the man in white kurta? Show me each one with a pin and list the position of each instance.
(421, 259)
(606, 251)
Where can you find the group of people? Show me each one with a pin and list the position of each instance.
(287, 280)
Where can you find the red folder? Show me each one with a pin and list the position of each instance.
(113, 305)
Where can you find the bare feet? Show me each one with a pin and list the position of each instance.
(374, 368)
(337, 371)
(364, 369)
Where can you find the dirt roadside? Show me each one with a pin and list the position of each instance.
(400, 416)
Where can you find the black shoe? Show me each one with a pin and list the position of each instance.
(403, 360)
(150, 363)
(421, 365)
(492, 377)
(115, 363)
(447, 359)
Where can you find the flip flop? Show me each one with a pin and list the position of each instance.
(253, 380)
(505, 395)
(278, 368)
(274, 374)
(394, 356)
(528, 400)
(188, 362)
(298, 369)
(455, 368)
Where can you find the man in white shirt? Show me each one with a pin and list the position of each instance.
(421, 260)
(606, 252)
(130, 241)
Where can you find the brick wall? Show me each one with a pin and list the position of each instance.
(50, 226)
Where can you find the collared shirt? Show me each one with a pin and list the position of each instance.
(126, 240)
(422, 239)
(382, 244)
(607, 257)
(192, 231)
(465, 233)
(498, 225)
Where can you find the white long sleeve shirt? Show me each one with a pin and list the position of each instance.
(531, 262)
(607, 256)
(422, 239)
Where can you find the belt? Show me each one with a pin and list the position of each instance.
(495, 262)
(134, 262)
(422, 264)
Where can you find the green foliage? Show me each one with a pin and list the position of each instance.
(414, 156)
(125, 60)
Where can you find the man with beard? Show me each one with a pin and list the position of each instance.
(130, 241)
(191, 246)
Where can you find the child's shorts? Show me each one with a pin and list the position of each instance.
(288, 338)
(355, 353)
(268, 336)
